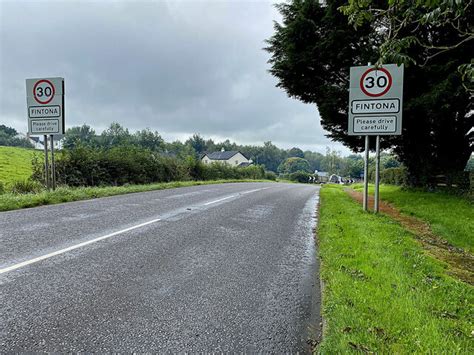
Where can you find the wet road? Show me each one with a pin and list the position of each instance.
(227, 267)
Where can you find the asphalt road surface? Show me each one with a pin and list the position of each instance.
(227, 267)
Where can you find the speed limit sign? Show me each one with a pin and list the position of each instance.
(45, 105)
(376, 82)
(376, 100)
(43, 91)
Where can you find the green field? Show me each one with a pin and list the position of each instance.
(15, 163)
(451, 217)
(382, 293)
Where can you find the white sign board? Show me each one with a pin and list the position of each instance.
(376, 100)
(45, 104)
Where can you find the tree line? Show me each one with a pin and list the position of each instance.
(268, 155)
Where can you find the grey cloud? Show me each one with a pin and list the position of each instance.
(178, 67)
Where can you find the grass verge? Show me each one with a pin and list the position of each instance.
(451, 217)
(10, 201)
(382, 292)
(15, 163)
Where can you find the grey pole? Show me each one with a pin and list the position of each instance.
(377, 174)
(366, 173)
(46, 164)
(53, 165)
(365, 197)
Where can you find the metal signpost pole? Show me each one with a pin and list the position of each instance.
(375, 109)
(366, 173)
(377, 174)
(46, 164)
(365, 198)
(53, 165)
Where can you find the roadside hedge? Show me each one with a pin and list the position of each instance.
(394, 176)
(84, 166)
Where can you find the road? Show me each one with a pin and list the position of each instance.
(228, 267)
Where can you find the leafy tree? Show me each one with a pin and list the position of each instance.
(314, 159)
(270, 156)
(149, 139)
(8, 137)
(116, 135)
(332, 162)
(292, 165)
(295, 152)
(430, 27)
(354, 166)
(8, 131)
(180, 150)
(197, 143)
(84, 135)
(227, 145)
(388, 161)
(312, 51)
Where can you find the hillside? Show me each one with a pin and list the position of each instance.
(15, 163)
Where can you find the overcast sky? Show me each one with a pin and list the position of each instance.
(178, 67)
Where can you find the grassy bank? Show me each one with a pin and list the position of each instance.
(451, 217)
(65, 194)
(15, 163)
(382, 293)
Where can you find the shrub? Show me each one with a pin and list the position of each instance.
(394, 176)
(2, 188)
(25, 187)
(86, 166)
(270, 175)
(300, 176)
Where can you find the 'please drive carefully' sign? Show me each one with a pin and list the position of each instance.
(376, 100)
(45, 105)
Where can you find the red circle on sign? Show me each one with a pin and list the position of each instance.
(53, 91)
(380, 93)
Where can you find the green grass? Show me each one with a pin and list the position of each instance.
(382, 293)
(11, 201)
(15, 163)
(451, 217)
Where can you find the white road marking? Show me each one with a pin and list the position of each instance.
(240, 193)
(250, 191)
(219, 200)
(65, 250)
(80, 245)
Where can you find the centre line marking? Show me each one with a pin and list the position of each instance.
(219, 200)
(65, 250)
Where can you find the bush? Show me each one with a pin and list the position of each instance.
(270, 175)
(394, 176)
(86, 166)
(25, 187)
(300, 176)
(2, 188)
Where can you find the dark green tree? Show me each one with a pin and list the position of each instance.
(116, 135)
(197, 143)
(149, 140)
(9, 131)
(312, 51)
(295, 152)
(292, 165)
(314, 159)
(83, 135)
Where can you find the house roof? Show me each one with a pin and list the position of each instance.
(36, 139)
(222, 155)
(244, 164)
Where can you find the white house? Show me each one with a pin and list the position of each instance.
(38, 141)
(232, 158)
